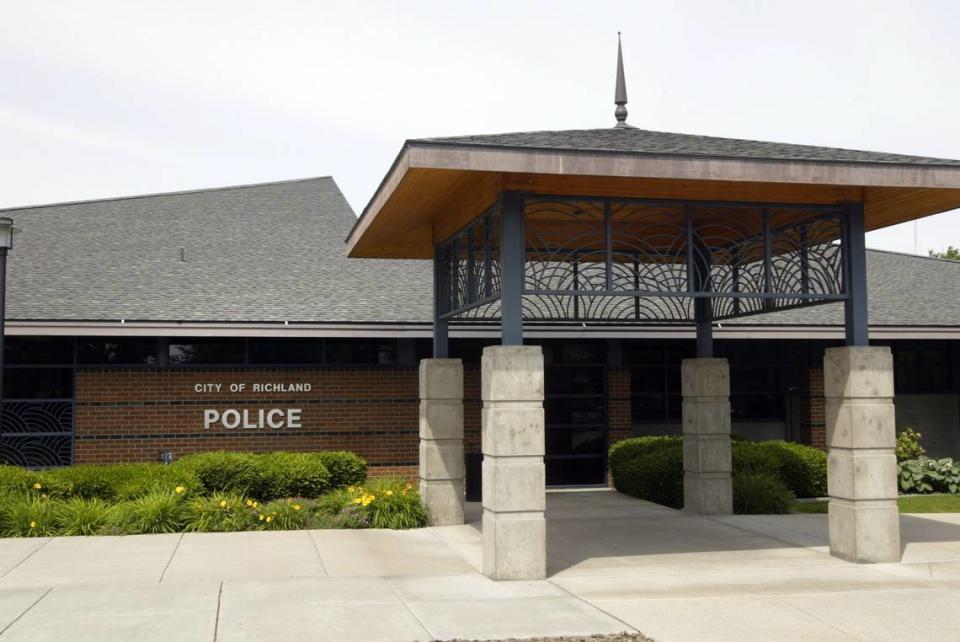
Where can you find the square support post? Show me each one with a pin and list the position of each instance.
(707, 466)
(861, 424)
(861, 464)
(514, 477)
(441, 440)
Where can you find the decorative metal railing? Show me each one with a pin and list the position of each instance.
(604, 259)
(37, 434)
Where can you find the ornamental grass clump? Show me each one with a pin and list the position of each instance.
(27, 515)
(380, 503)
(283, 515)
(77, 516)
(155, 512)
(221, 513)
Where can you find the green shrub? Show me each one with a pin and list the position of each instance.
(223, 472)
(155, 512)
(908, 445)
(346, 468)
(24, 515)
(16, 480)
(654, 474)
(221, 513)
(79, 516)
(283, 515)
(283, 474)
(113, 482)
(760, 494)
(651, 468)
(381, 503)
(802, 468)
(629, 449)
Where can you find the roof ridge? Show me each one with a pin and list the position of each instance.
(159, 194)
(913, 256)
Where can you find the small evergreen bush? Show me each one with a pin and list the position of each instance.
(222, 471)
(283, 474)
(346, 468)
(760, 494)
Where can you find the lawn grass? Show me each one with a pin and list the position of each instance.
(908, 504)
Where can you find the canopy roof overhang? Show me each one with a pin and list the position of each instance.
(436, 186)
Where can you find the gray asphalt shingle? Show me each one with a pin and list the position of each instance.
(275, 252)
(641, 141)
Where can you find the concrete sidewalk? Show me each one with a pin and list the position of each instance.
(616, 564)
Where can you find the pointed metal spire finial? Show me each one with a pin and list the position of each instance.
(620, 97)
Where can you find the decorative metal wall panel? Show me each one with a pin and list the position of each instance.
(469, 264)
(623, 260)
(37, 434)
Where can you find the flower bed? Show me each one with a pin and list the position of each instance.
(210, 492)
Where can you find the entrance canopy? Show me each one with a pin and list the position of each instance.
(437, 186)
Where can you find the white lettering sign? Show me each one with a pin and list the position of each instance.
(247, 419)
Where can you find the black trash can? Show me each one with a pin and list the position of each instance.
(473, 472)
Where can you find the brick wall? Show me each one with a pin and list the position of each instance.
(813, 423)
(134, 414)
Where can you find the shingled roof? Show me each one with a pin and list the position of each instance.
(269, 252)
(274, 252)
(632, 140)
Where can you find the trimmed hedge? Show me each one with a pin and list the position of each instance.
(651, 468)
(265, 476)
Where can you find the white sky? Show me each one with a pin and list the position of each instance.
(116, 97)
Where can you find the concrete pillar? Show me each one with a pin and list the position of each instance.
(441, 440)
(707, 487)
(514, 478)
(861, 465)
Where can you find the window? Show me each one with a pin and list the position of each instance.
(206, 352)
(922, 366)
(38, 383)
(286, 351)
(38, 350)
(126, 351)
(360, 351)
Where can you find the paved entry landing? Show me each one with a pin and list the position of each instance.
(615, 564)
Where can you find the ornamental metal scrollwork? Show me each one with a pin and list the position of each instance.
(619, 260)
(37, 434)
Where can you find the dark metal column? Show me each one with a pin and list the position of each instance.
(441, 340)
(512, 258)
(698, 280)
(855, 277)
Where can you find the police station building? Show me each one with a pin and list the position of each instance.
(149, 327)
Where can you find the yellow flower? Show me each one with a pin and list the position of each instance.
(389, 493)
(269, 518)
(180, 490)
(352, 489)
(254, 504)
(296, 507)
(261, 518)
(249, 502)
(37, 486)
(358, 500)
(33, 524)
(409, 486)
(223, 503)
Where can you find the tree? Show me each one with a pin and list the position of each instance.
(952, 253)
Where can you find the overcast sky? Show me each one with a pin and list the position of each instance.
(105, 98)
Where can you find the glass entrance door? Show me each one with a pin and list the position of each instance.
(575, 407)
